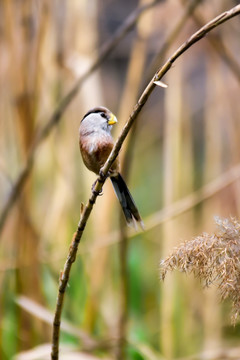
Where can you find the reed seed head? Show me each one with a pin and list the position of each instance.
(213, 258)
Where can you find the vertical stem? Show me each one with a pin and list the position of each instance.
(136, 65)
(123, 252)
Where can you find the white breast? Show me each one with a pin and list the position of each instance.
(94, 142)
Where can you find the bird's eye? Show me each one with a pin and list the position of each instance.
(103, 115)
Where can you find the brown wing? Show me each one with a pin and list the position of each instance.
(102, 153)
(94, 157)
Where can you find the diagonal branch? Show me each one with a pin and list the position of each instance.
(55, 118)
(86, 211)
(218, 45)
(172, 211)
(161, 72)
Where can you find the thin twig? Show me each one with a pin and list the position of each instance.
(218, 45)
(115, 151)
(88, 343)
(161, 72)
(126, 165)
(159, 57)
(16, 190)
(197, 197)
(54, 119)
(177, 208)
(172, 211)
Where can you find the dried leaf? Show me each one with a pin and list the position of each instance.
(160, 83)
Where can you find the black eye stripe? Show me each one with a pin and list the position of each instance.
(91, 112)
(95, 111)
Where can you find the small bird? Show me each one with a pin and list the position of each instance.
(96, 143)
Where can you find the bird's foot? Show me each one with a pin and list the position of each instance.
(102, 176)
(96, 192)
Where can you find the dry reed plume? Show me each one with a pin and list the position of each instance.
(213, 258)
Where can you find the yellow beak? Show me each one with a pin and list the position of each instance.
(112, 120)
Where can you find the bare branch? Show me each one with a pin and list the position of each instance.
(115, 151)
(177, 208)
(88, 343)
(55, 118)
(170, 212)
(15, 191)
(161, 72)
(218, 45)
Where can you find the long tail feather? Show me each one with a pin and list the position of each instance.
(125, 198)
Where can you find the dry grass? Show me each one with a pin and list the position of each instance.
(183, 168)
(214, 259)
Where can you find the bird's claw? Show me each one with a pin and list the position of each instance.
(96, 192)
(102, 175)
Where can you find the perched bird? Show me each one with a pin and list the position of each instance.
(96, 143)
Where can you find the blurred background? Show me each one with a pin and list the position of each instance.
(181, 162)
